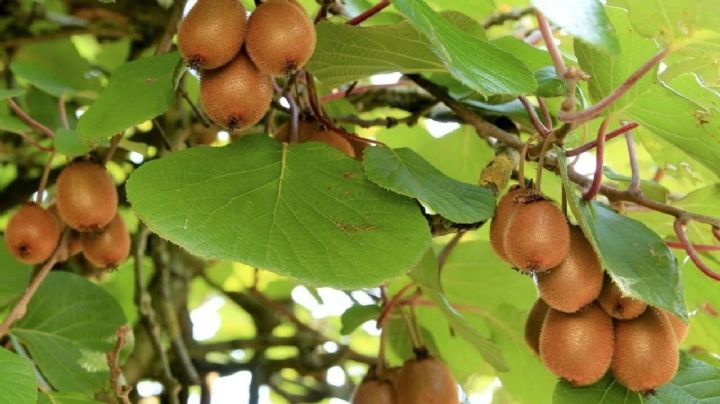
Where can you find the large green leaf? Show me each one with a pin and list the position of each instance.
(69, 325)
(636, 258)
(55, 67)
(405, 172)
(305, 211)
(14, 276)
(478, 64)
(65, 398)
(138, 90)
(426, 275)
(606, 391)
(17, 379)
(584, 19)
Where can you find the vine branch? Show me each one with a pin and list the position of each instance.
(678, 226)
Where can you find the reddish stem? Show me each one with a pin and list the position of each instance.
(595, 110)
(552, 48)
(357, 90)
(388, 308)
(369, 12)
(63, 112)
(690, 250)
(545, 113)
(697, 247)
(612, 135)
(539, 127)
(29, 120)
(599, 157)
(716, 232)
(634, 166)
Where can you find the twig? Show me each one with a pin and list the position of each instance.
(612, 135)
(358, 90)
(552, 48)
(541, 160)
(18, 311)
(42, 129)
(501, 18)
(35, 143)
(539, 127)
(369, 12)
(44, 177)
(448, 249)
(599, 160)
(205, 121)
(63, 112)
(545, 113)
(113, 360)
(634, 167)
(680, 232)
(599, 107)
(697, 247)
(114, 142)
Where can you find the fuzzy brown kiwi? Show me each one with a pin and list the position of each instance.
(577, 346)
(505, 207)
(680, 327)
(32, 234)
(236, 95)
(537, 235)
(280, 37)
(373, 391)
(646, 352)
(577, 281)
(534, 323)
(616, 305)
(212, 33)
(426, 380)
(313, 131)
(85, 195)
(108, 248)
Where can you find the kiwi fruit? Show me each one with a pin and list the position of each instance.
(646, 352)
(375, 392)
(533, 324)
(426, 380)
(280, 37)
(237, 95)
(313, 131)
(577, 346)
(616, 305)
(577, 281)
(537, 235)
(212, 33)
(505, 207)
(108, 248)
(680, 327)
(85, 195)
(32, 234)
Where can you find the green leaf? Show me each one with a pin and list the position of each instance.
(56, 68)
(469, 154)
(549, 84)
(138, 91)
(466, 56)
(636, 258)
(65, 398)
(69, 325)
(584, 19)
(305, 211)
(69, 143)
(14, 276)
(606, 391)
(356, 316)
(11, 92)
(17, 379)
(405, 172)
(426, 275)
(609, 71)
(695, 382)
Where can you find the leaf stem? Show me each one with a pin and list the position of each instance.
(63, 112)
(369, 12)
(697, 247)
(539, 127)
(552, 48)
(599, 160)
(388, 308)
(44, 178)
(42, 129)
(691, 252)
(612, 135)
(599, 107)
(634, 166)
(114, 143)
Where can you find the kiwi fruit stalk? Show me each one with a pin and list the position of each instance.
(237, 95)
(537, 235)
(577, 346)
(108, 248)
(577, 281)
(85, 195)
(32, 234)
(505, 207)
(534, 323)
(616, 305)
(212, 33)
(280, 37)
(646, 352)
(426, 380)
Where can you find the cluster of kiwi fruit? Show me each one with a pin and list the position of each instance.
(582, 325)
(85, 202)
(421, 380)
(237, 56)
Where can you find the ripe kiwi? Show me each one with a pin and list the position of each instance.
(537, 235)
(577, 346)
(280, 37)
(108, 248)
(646, 351)
(577, 281)
(680, 327)
(32, 234)
(313, 131)
(616, 305)
(505, 207)
(533, 324)
(212, 33)
(426, 380)
(236, 95)
(85, 195)
(373, 391)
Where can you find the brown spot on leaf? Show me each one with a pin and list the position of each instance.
(355, 228)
